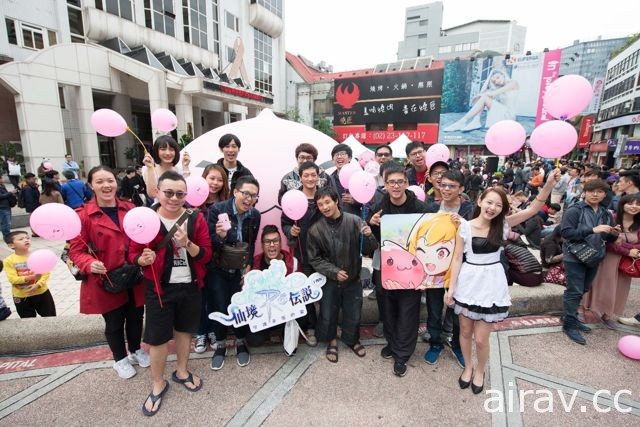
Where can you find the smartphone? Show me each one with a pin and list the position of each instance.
(223, 219)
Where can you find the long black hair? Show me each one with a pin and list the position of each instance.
(496, 227)
(629, 198)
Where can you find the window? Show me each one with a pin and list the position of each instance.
(216, 28)
(63, 105)
(231, 54)
(423, 22)
(422, 36)
(194, 16)
(273, 6)
(121, 8)
(458, 48)
(76, 28)
(322, 107)
(444, 49)
(53, 39)
(160, 16)
(11, 31)
(263, 62)
(466, 46)
(231, 21)
(422, 52)
(32, 37)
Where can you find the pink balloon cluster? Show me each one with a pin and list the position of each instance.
(553, 139)
(346, 172)
(294, 204)
(197, 190)
(164, 120)
(108, 123)
(141, 224)
(568, 96)
(505, 137)
(42, 261)
(55, 221)
(437, 153)
(365, 158)
(362, 186)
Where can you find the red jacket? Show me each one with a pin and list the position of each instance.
(286, 257)
(198, 232)
(109, 243)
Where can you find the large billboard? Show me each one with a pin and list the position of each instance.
(480, 92)
(376, 109)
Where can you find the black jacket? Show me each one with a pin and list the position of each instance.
(466, 209)
(352, 208)
(334, 245)
(4, 197)
(577, 225)
(31, 196)
(411, 205)
(240, 171)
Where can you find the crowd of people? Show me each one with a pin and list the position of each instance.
(191, 269)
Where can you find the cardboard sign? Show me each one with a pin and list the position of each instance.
(270, 298)
(416, 250)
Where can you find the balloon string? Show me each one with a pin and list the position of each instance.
(156, 284)
(299, 246)
(136, 137)
(95, 255)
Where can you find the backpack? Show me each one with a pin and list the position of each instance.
(521, 259)
(12, 199)
(20, 198)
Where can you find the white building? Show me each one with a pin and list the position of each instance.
(210, 61)
(424, 35)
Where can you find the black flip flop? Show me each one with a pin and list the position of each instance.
(189, 379)
(154, 398)
(356, 348)
(332, 350)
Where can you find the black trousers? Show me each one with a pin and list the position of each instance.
(401, 318)
(379, 290)
(37, 304)
(124, 320)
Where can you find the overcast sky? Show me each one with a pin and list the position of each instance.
(353, 34)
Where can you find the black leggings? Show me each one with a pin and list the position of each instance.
(126, 318)
(41, 304)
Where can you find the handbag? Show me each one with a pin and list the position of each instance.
(235, 256)
(628, 266)
(556, 275)
(122, 278)
(585, 253)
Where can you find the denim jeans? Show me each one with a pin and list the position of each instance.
(435, 305)
(579, 279)
(220, 287)
(348, 297)
(5, 221)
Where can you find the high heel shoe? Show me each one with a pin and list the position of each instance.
(477, 389)
(465, 384)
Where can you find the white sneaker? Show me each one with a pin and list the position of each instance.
(124, 369)
(629, 321)
(201, 344)
(140, 357)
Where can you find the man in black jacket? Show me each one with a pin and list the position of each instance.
(5, 209)
(401, 306)
(230, 145)
(333, 248)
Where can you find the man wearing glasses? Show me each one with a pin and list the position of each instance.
(292, 181)
(434, 178)
(401, 307)
(173, 305)
(223, 282)
(383, 154)
(341, 155)
(416, 154)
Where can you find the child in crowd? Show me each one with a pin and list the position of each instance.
(30, 292)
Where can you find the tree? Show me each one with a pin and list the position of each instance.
(324, 125)
(293, 114)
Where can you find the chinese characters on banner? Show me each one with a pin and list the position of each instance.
(586, 128)
(270, 298)
(550, 72)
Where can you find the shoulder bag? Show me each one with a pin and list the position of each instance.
(582, 250)
(235, 256)
(628, 264)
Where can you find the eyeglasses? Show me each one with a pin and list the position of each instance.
(305, 158)
(381, 154)
(341, 154)
(449, 186)
(170, 193)
(397, 182)
(437, 174)
(271, 242)
(249, 195)
(416, 153)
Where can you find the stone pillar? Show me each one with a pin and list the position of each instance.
(122, 105)
(197, 121)
(158, 96)
(184, 113)
(88, 135)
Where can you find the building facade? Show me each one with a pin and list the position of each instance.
(424, 35)
(617, 127)
(210, 61)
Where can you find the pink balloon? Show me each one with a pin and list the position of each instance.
(362, 186)
(372, 167)
(164, 120)
(197, 190)
(418, 191)
(553, 139)
(630, 346)
(346, 172)
(42, 261)
(47, 165)
(365, 158)
(55, 221)
(437, 153)
(294, 204)
(568, 96)
(141, 224)
(505, 137)
(108, 123)
(485, 176)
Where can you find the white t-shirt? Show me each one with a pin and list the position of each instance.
(180, 272)
(231, 172)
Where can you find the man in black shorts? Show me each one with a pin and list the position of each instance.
(173, 302)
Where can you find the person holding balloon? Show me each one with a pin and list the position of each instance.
(31, 295)
(173, 246)
(101, 247)
(304, 152)
(341, 155)
(164, 156)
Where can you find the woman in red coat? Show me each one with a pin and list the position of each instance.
(102, 229)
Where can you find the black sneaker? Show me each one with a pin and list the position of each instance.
(400, 369)
(575, 336)
(217, 361)
(583, 328)
(243, 357)
(386, 352)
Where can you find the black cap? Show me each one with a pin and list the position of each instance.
(439, 163)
